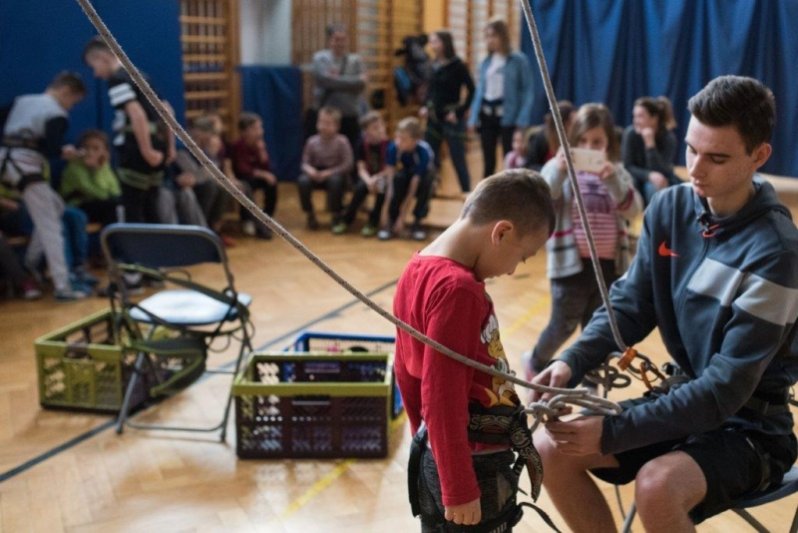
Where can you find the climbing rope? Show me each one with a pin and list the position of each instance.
(560, 396)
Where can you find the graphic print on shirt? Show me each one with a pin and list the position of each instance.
(503, 392)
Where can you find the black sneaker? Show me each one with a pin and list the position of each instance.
(417, 232)
(313, 224)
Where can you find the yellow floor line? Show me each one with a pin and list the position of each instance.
(543, 303)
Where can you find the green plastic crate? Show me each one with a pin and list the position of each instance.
(313, 405)
(82, 367)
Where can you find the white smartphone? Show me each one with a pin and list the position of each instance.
(588, 160)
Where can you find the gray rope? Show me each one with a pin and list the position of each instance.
(599, 404)
(555, 113)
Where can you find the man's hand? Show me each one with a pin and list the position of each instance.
(153, 157)
(581, 436)
(557, 374)
(466, 514)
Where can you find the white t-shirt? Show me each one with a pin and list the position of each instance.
(494, 77)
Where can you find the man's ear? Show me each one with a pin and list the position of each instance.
(500, 231)
(762, 154)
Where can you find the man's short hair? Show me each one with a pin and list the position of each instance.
(519, 195)
(410, 126)
(96, 44)
(332, 112)
(742, 102)
(247, 119)
(71, 80)
(370, 118)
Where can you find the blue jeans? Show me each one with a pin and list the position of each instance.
(454, 135)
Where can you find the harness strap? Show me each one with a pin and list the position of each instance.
(414, 468)
(507, 425)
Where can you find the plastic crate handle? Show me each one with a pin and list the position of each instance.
(310, 403)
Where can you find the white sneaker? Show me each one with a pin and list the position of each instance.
(384, 234)
(248, 228)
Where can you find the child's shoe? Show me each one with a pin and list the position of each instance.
(248, 228)
(368, 230)
(69, 294)
(339, 228)
(384, 235)
(417, 232)
(29, 290)
(313, 224)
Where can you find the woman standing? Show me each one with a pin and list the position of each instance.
(446, 108)
(503, 101)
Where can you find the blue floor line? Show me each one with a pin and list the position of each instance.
(52, 452)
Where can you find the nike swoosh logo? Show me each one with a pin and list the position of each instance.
(664, 251)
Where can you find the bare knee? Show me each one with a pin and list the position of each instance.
(668, 484)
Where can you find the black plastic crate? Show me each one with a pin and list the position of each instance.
(313, 405)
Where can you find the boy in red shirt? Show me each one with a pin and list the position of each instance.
(461, 479)
(252, 165)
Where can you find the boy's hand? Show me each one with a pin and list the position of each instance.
(423, 111)
(581, 436)
(557, 374)
(9, 204)
(153, 157)
(69, 152)
(322, 175)
(266, 176)
(186, 180)
(451, 116)
(466, 514)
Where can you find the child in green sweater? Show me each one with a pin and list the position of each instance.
(89, 182)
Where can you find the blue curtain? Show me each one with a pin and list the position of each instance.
(38, 39)
(275, 93)
(614, 51)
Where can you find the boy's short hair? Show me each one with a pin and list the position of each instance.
(370, 118)
(90, 134)
(411, 126)
(332, 112)
(247, 119)
(742, 102)
(71, 80)
(96, 44)
(519, 195)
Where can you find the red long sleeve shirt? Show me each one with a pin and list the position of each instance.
(444, 300)
(246, 158)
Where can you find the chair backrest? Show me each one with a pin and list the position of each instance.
(162, 246)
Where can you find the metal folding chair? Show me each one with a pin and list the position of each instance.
(179, 322)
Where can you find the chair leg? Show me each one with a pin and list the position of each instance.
(138, 368)
(629, 518)
(753, 522)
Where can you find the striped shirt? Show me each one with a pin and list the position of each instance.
(601, 214)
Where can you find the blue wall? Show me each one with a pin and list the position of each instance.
(39, 38)
(614, 51)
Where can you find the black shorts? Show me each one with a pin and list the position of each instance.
(734, 462)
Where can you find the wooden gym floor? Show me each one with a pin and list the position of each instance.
(66, 471)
